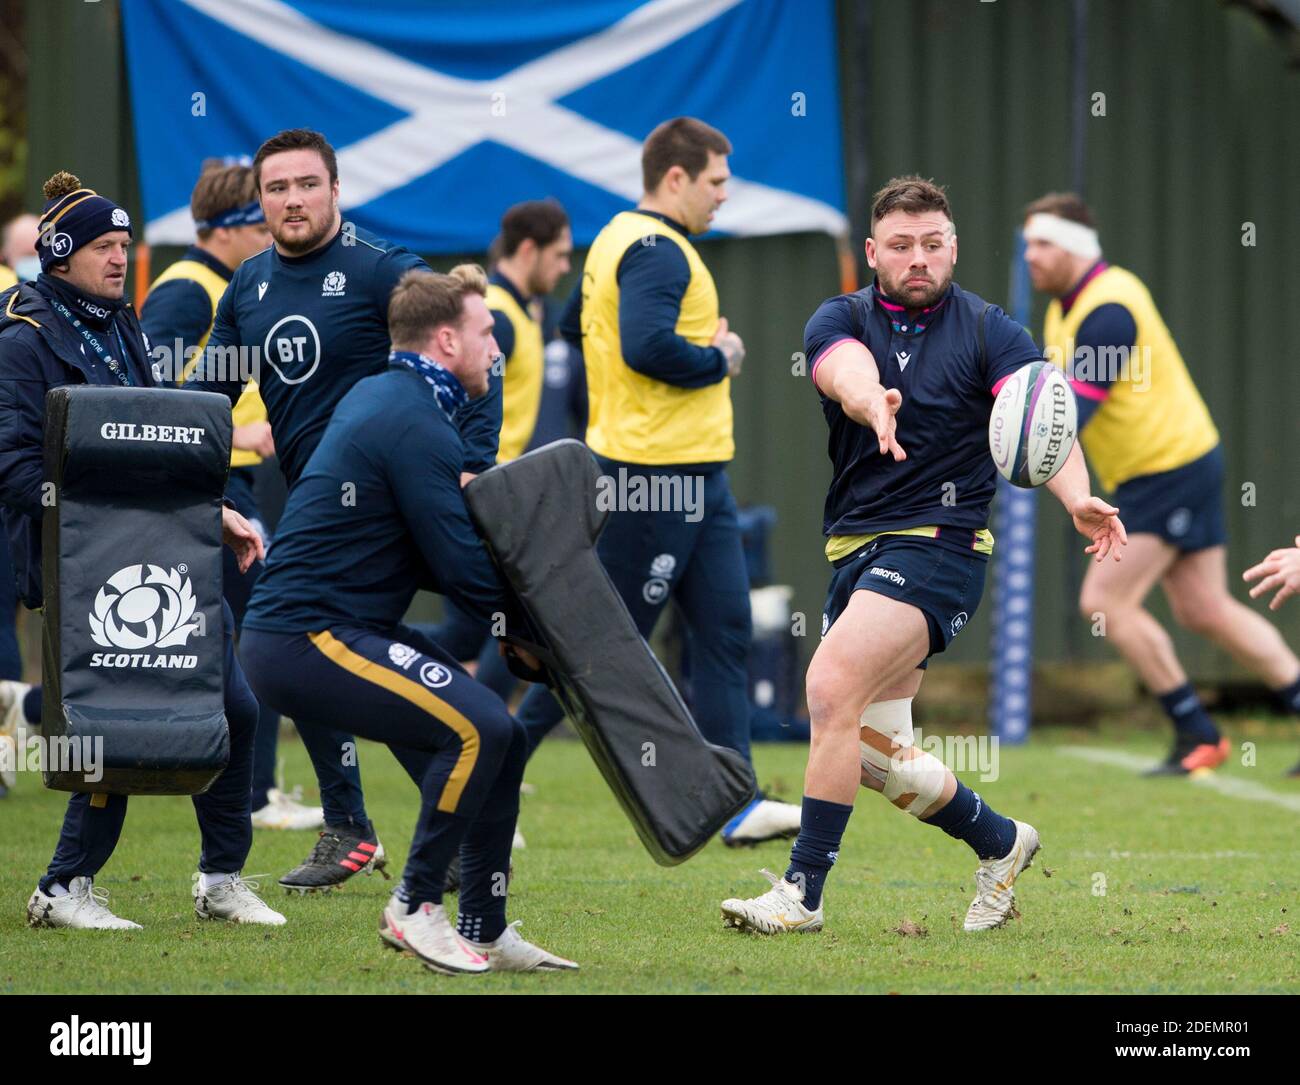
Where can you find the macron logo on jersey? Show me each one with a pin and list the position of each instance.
(903, 359)
(261, 290)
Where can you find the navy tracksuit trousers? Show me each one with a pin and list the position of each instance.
(402, 689)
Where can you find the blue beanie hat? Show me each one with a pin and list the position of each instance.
(73, 217)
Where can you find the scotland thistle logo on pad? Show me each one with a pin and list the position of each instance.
(134, 610)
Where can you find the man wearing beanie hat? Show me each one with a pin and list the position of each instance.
(73, 326)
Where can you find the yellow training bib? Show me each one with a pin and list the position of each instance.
(632, 417)
(1154, 419)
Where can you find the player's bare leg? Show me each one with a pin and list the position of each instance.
(1197, 589)
(920, 784)
(860, 689)
(875, 642)
(1115, 594)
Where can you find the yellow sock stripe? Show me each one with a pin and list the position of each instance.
(377, 674)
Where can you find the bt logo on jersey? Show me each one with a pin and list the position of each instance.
(292, 346)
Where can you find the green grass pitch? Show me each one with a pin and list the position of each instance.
(1141, 886)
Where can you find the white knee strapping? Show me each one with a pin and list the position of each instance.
(915, 773)
(893, 719)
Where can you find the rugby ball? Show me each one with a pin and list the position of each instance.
(1033, 424)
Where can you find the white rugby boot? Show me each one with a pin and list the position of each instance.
(83, 907)
(778, 911)
(510, 953)
(428, 933)
(233, 900)
(995, 898)
(286, 812)
(762, 819)
(518, 844)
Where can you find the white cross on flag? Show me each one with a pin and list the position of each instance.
(443, 115)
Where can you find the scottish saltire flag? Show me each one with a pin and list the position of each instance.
(446, 113)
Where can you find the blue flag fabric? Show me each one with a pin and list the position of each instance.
(444, 115)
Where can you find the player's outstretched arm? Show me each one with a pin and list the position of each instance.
(1093, 518)
(849, 375)
(1281, 570)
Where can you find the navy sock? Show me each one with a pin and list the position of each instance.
(968, 817)
(480, 928)
(1290, 696)
(484, 879)
(32, 705)
(821, 828)
(1190, 720)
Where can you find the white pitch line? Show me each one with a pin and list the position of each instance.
(1224, 785)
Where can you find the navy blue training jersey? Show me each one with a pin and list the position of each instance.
(320, 323)
(377, 513)
(933, 359)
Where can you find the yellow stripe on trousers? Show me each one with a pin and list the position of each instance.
(377, 674)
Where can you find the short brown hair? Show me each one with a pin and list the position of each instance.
(912, 194)
(1066, 205)
(541, 221)
(682, 141)
(220, 188)
(423, 300)
(295, 139)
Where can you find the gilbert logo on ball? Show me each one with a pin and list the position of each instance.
(1033, 425)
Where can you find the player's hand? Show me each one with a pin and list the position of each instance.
(732, 347)
(254, 437)
(1096, 520)
(1281, 570)
(238, 534)
(527, 657)
(466, 477)
(877, 409)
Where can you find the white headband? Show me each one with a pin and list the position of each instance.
(1073, 237)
